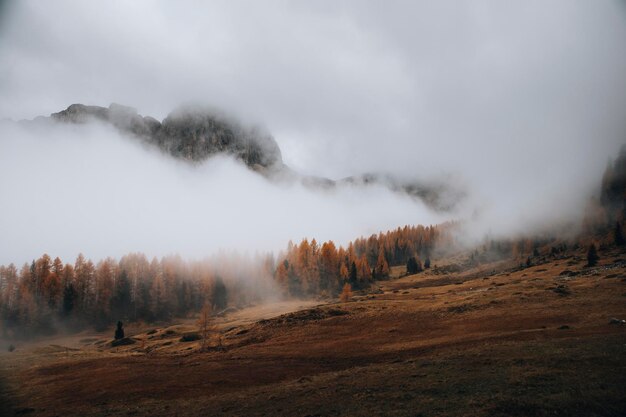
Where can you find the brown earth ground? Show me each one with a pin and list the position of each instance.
(487, 341)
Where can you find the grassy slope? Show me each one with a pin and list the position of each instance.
(483, 342)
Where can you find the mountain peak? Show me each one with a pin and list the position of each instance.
(191, 133)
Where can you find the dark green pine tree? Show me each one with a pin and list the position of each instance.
(220, 295)
(619, 236)
(352, 275)
(592, 256)
(69, 298)
(413, 266)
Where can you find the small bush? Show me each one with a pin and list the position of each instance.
(11, 348)
(190, 337)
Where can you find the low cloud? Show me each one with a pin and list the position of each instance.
(519, 103)
(85, 188)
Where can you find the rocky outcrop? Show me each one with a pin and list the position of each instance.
(195, 135)
(189, 133)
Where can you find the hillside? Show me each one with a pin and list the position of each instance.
(312, 209)
(485, 341)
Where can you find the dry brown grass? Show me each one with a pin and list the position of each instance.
(483, 342)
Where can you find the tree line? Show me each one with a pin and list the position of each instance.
(310, 268)
(47, 294)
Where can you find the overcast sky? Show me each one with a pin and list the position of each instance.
(523, 102)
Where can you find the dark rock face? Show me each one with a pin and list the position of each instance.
(196, 135)
(186, 133)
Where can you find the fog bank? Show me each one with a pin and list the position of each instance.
(85, 188)
(521, 103)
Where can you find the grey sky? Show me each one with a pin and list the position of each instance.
(522, 101)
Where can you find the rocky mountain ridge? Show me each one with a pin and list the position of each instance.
(188, 133)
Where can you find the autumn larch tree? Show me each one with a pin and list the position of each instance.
(382, 267)
(206, 325)
(282, 275)
(52, 290)
(344, 274)
(329, 267)
(346, 293)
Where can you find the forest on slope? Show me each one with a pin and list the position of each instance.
(48, 295)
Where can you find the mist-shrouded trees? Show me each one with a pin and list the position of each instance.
(84, 294)
(364, 271)
(206, 325)
(121, 299)
(45, 293)
(308, 269)
(613, 189)
(219, 297)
